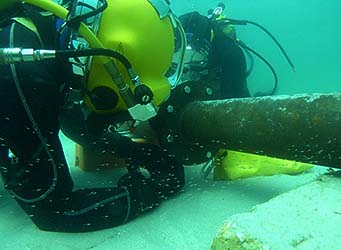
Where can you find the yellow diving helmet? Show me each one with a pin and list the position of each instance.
(143, 32)
(132, 42)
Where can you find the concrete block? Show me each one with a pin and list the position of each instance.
(306, 218)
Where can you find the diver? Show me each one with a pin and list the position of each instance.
(34, 93)
(214, 52)
(211, 47)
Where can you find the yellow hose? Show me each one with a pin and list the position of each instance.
(62, 13)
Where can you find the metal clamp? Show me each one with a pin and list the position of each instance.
(143, 112)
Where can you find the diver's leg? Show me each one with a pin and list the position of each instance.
(77, 211)
(63, 209)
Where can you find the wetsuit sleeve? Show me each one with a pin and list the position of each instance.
(227, 55)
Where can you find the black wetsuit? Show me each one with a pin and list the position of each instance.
(229, 58)
(65, 209)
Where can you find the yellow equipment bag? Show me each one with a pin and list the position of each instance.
(232, 165)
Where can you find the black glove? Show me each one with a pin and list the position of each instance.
(142, 191)
(166, 173)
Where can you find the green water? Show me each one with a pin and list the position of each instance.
(309, 32)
